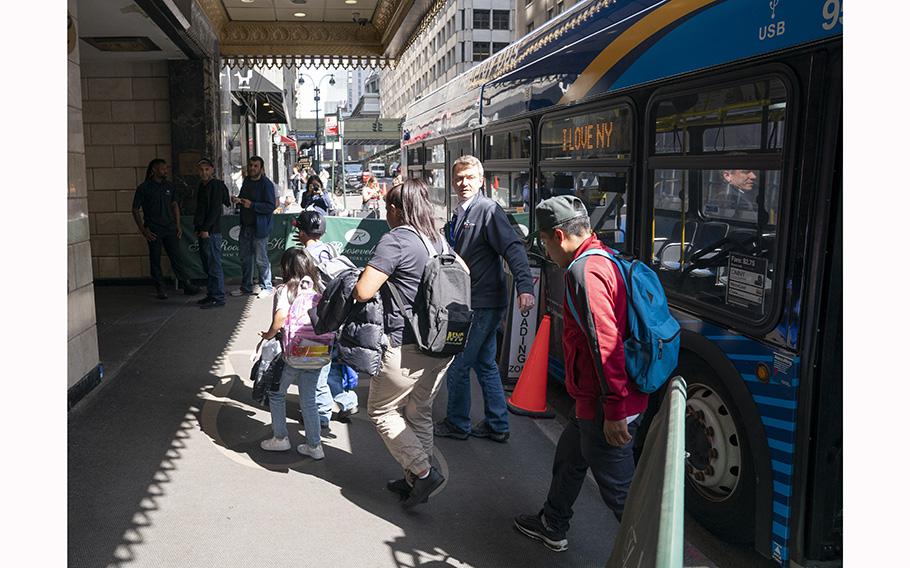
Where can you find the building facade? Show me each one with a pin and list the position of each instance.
(456, 35)
(534, 13)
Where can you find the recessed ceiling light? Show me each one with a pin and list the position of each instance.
(265, 103)
(299, 14)
(350, 1)
(247, 1)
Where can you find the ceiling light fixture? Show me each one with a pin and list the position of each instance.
(299, 14)
(350, 1)
(265, 103)
(247, 1)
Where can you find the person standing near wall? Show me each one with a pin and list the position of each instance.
(210, 197)
(160, 225)
(257, 201)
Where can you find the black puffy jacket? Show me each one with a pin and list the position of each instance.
(361, 340)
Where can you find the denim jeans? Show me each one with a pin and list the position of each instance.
(306, 380)
(479, 354)
(254, 250)
(171, 244)
(582, 445)
(330, 389)
(210, 254)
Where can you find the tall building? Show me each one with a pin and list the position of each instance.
(357, 77)
(456, 35)
(535, 13)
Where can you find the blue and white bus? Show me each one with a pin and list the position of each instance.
(705, 137)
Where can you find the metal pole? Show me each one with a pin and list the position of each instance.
(316, 143)
(344, 180)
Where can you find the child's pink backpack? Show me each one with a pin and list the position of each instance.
(303, 348)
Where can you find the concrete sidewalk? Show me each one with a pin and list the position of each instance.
(165, 467)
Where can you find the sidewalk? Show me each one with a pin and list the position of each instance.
(165, 467)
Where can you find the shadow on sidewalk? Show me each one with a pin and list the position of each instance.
(171, 399)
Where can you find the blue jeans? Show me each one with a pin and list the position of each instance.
(330, 389)
(479, 354)
(254, 250)
(210, 254)
(306, 380)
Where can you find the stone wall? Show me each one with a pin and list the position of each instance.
(82, 335)
(127, 123)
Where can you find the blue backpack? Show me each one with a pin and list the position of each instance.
(652, 348)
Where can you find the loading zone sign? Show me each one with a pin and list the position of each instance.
(746, 277)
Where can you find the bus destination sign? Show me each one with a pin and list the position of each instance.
(603, 134)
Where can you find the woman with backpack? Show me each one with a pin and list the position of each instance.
(401, 396)
(306, 354)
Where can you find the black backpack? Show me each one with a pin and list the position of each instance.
(266, 376)
(441, 315)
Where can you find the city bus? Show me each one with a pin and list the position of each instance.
(705, 139)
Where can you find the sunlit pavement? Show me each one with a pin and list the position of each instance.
(165, 467)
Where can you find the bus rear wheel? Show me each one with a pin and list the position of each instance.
(720, 475)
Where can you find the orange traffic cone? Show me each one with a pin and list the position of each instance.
(530, 395)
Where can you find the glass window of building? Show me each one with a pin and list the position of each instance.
(501, 20)
(481, 19)
(499, 46)
(481, 50)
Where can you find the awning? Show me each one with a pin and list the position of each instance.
(264, 99)
(289, 141)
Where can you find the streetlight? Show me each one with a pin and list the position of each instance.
(316, 98)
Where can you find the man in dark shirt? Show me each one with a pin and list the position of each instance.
(210, 198)
(481, 233)
(257, 201)
(160, 224)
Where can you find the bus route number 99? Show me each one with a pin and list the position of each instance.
(833, 14)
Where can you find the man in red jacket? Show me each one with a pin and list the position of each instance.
(607, 403)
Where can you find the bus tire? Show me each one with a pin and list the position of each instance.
(720, 473)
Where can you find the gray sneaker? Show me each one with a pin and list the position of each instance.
(535, 526)
(445, 429)
(241, 292)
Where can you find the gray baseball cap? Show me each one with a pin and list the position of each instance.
(557, 210)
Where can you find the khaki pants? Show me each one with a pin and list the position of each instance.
(401, 404)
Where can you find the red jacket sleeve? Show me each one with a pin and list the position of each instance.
(608, 316)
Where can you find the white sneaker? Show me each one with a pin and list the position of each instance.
(314, 452)
(264, 293)
(275, 444)
(239, 292)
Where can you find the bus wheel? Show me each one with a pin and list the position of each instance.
(720, 478)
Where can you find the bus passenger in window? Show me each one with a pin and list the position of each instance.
(736, 198)
(481, 233)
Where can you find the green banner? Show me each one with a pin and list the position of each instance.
(355, 238)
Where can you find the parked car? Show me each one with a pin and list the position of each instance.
(353, 177)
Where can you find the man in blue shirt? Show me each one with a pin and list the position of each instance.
(160, 224)
(257, 201)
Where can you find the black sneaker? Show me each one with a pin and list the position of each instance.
(483, 430)
(190, 290)
(212, 304)
(445, 429)
(535, 526)
(402, 487)
(422, 489)
(205, 300)
(160, 293)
